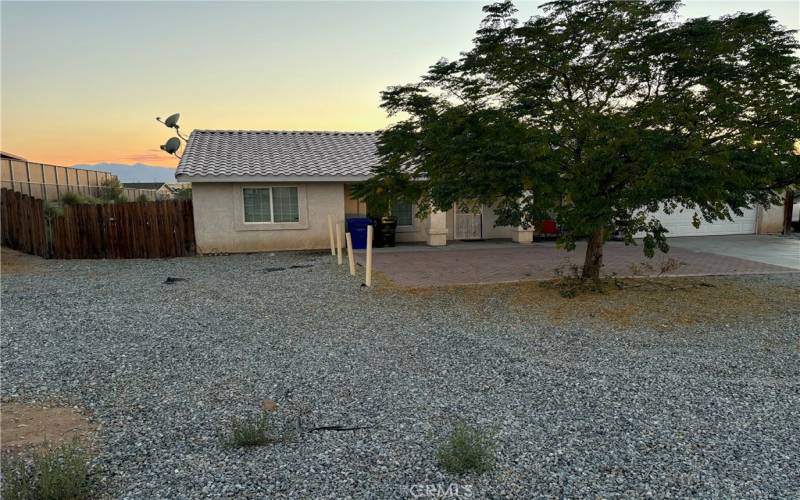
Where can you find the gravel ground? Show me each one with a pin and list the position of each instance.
(696, 411)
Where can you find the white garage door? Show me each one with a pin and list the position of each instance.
(680, 224)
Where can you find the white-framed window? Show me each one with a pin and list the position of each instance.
(264, 205)
(404, 211)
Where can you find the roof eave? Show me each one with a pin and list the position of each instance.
(270, 178)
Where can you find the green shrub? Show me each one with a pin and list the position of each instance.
(184, 194)
(466, 450)
(142, 198)
(71, 198)
(60, 473)
(259, 430)
(52, 210)
(111, 191)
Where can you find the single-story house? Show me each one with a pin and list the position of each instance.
(164, 190)
(255, 190)
(162, 193)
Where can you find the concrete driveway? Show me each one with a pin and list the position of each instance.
(775, 250)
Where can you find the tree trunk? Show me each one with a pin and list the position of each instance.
(788, 205)
(594, 255)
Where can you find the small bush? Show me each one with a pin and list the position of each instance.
(569, 293)
(49, 474)
(258, 430)
(111, 191)
(184, 194)
(142, 198)
(52, 210)
(467, 450)
(71, 198)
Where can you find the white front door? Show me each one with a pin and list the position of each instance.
(468, 224)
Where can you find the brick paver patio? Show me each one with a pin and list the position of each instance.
(483, 262)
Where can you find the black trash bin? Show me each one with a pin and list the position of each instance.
(385, 229)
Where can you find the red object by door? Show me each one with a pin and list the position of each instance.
(549, 227)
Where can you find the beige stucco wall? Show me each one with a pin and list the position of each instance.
(219, 219)
(220, 228)
(488, 220)
(770, 221)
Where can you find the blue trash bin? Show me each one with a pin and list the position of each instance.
(357, 227)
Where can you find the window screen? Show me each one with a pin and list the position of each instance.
(256, 205)
(404, 213)
(284, 204)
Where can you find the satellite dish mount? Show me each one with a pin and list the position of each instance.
(174, 143)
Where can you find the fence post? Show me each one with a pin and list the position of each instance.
(350, 258)
(368, 277)
(44, 183)
(28, 176)
(58, 182)
(338, 244)
(330, 233)
(11, 173)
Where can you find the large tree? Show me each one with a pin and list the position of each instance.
(599, 113)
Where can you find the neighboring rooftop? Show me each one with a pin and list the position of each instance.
(225, 155)
(143, 185)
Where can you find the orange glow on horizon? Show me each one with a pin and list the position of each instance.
(82, 82)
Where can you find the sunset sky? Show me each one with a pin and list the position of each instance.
(82, 82)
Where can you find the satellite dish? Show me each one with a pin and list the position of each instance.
(172, 145)
(172, 120)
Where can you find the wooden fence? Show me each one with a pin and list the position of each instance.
(23, 223)
(152, 229)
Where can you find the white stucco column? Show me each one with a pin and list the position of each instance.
(519, 234)
(522, 235)
(437, 229)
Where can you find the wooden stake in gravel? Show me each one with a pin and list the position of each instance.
(350, 258)
(330, 233)
(338, 244)
(368, 279)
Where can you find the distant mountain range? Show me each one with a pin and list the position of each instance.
(137, 172)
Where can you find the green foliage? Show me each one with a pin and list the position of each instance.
(382, 197)
(259, 430)
(111, 191)
(467, 450)
(597, 114)
(142, 198)
(72, 198)
(60, 473)
(52, 210)
(184, 194)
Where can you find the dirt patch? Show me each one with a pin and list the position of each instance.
(660, 303)
(23, 426)
(14, 262)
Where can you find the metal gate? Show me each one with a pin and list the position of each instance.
(468, 222)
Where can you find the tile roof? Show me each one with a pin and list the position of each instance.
(214, 154)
